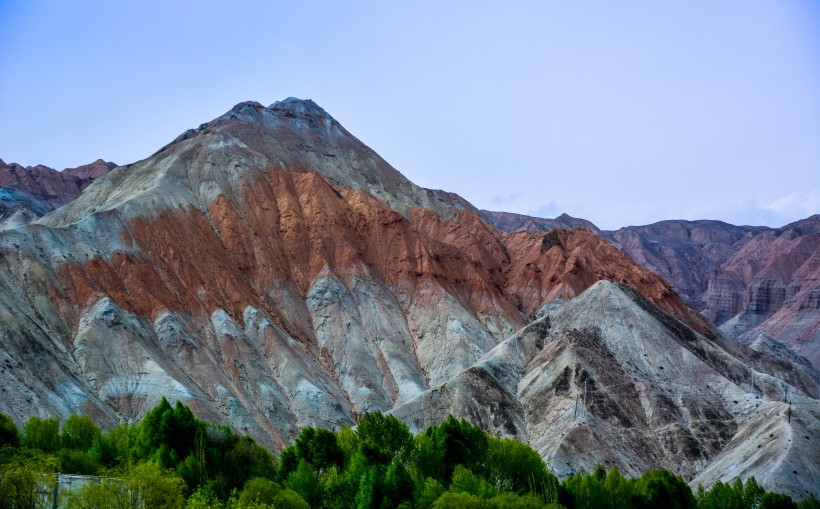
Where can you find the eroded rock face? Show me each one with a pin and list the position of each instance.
(509, 222)
(48, 184)
(612, 379)
(272, 272)
(748, 280)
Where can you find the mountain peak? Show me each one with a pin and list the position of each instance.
(303, 106)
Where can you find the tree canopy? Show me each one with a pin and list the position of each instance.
(171, 459)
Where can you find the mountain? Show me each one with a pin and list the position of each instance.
(275, 271)
(752, 281)
(271, 271)
(609, 378)
(509, 222)
(28, 193)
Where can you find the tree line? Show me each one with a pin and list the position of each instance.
(171, 459)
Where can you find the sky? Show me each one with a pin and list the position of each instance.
(623, 113)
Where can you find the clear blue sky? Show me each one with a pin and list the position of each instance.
(618, 112)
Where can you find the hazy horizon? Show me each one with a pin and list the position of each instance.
(627, 114)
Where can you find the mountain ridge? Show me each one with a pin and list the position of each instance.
(752, 281)
(272, 271)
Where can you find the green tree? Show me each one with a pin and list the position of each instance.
(428, 460)
(288, 462)
(619, 488)
(752, 493)
(203, 498)
(246, 460)
(42, 434)
(348, 442)
(461, 443)
(73, 461)
(661, 488)
(289, 499)
(9, 434)
(168, 433)
(145, 485)
(259, 491)
(305, 482)
(79, 433)
(319, 448)
(155, 487)
(588, 490)
(777, 501)
(370, 489)
(428, 493)
(387, 434)
(515, 467)
(397, 486)
(450, 500)
(464, 481)
(339, 488)
(22, 480)
(116, 447)
(515, 501)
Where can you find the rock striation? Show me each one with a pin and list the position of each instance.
(749, 280)
(609, 378)
(27, 193)
(272, 272)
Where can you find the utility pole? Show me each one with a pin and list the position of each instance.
(576, 406)
(56, 493)
(786, 394)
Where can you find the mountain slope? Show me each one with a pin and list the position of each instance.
(49, 189)
(272, 271)
(751, 281)
(609, 378)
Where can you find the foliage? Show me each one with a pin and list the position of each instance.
(776, 501)
(734, 496)
(304, 481)
(169, 432)
(9, 434)
(145, 485)
(385, 434)
(460, 443)
(464, 481)
(22, 480)
(661, 488)
(515, 467)
(171, 454)
(428, 492)
(259, 491)
(42, 434)
(79, 433)
(319, 448)
(809, 503)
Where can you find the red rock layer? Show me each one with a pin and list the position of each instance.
(561, 264)
(52, 186)
(289, 226)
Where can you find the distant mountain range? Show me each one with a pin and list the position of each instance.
(26, 193)
(756, 283)
(272, 271)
